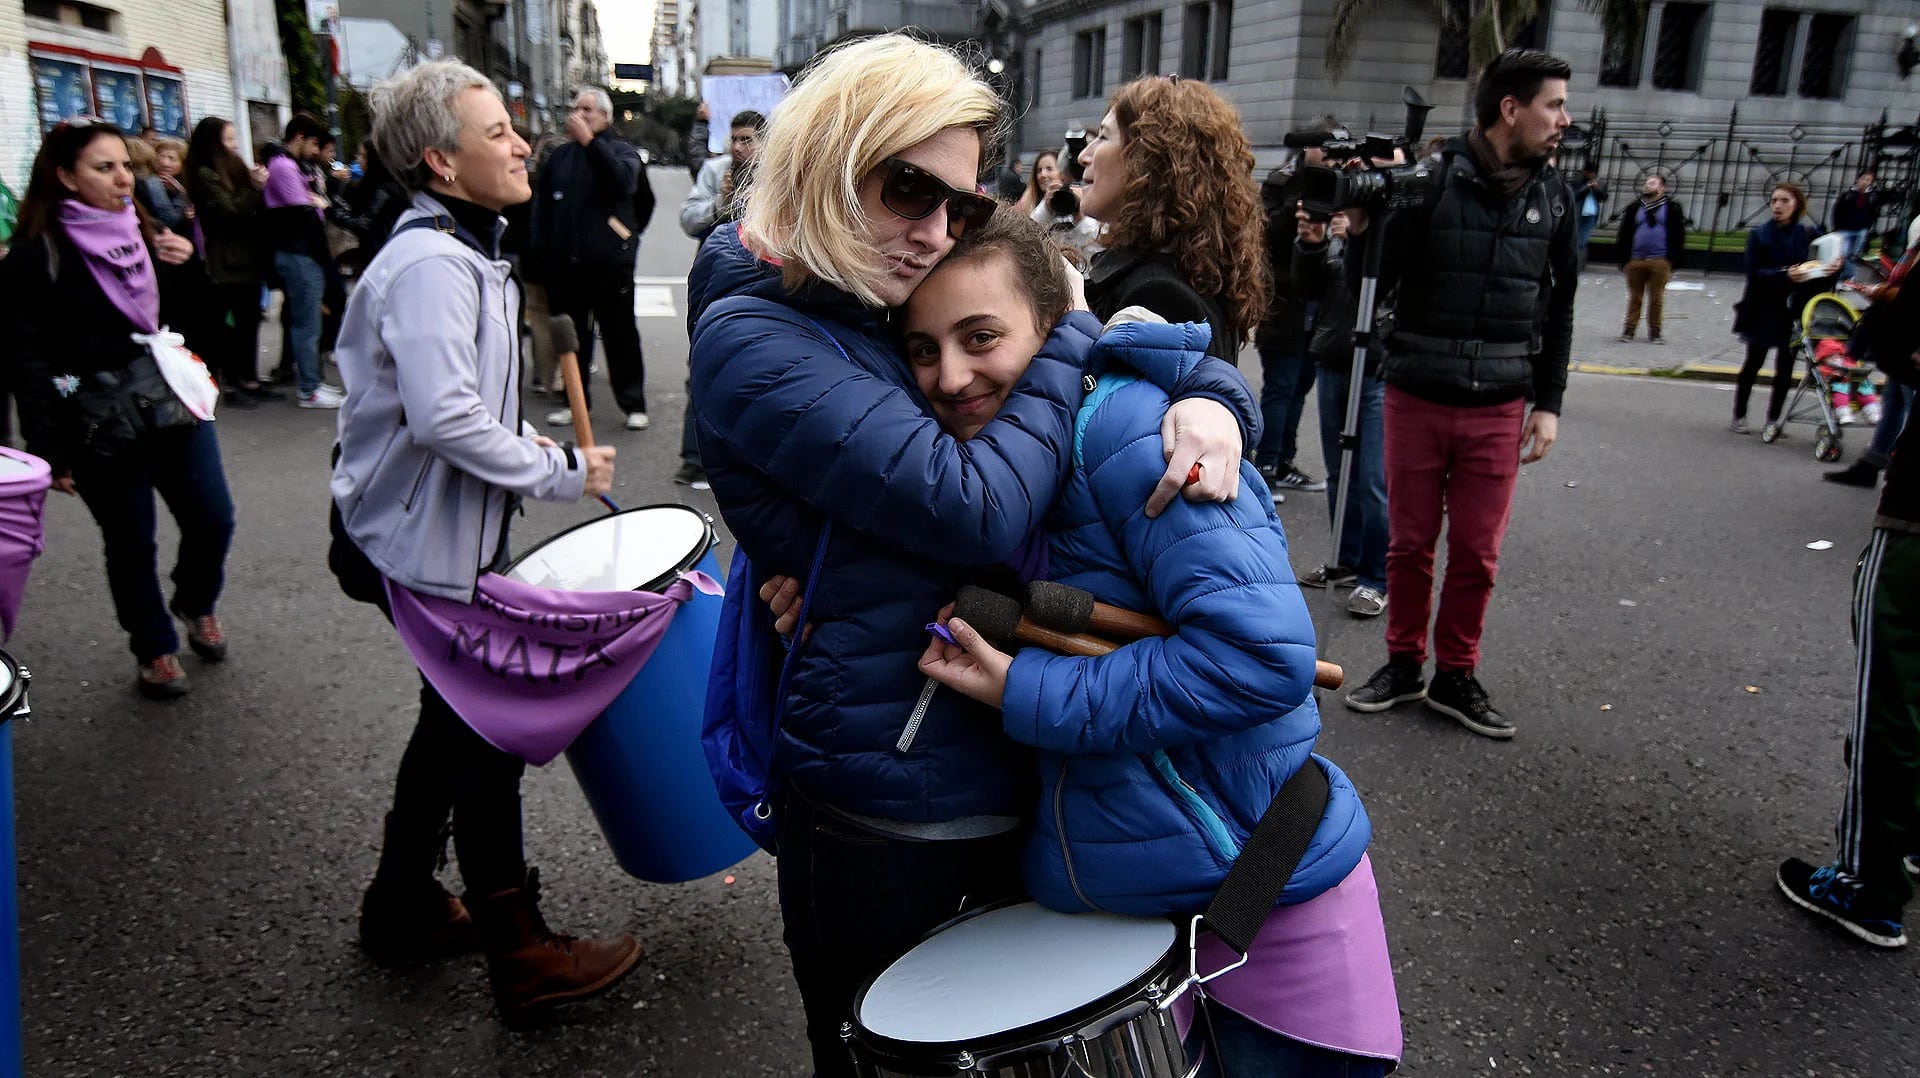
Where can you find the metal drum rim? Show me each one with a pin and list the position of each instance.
(1044, 1035)
(656, 583)
(16, 688)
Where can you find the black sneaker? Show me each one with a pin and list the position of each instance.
(1458, 695)
(1857, 474)
(1287, 477)
(692, 475)
(1395, 683)
(1827, 892)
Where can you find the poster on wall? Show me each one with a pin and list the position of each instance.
(122, 101)
(62, 89)
(727, 95)
(166, 105)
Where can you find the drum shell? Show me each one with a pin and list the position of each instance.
(1141, 1042)
(641, 765)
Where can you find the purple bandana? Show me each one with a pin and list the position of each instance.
(116, 255)
(527, 667)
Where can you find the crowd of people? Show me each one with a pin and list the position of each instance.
(899, 386)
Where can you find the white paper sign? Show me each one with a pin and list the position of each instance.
(727, 95)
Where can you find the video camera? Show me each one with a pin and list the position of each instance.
(1372, 187)
(1069, 160)
(1064, 205)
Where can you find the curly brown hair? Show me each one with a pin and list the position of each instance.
(1190, 192)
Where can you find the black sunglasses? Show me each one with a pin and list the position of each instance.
(914, 193)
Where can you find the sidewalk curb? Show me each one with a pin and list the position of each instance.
(1702, 372)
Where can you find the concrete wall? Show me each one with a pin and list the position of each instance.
(19, 133)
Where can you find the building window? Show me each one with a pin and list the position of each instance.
(1774, 53)
(1207, 41)
(1680, 48)
(1823, 67)
(1620, 57)
(72, 13)
(1222, 38)
(1139, 47)
(1090, 62)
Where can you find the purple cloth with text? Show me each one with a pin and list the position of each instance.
(23, 504)
(529, 668)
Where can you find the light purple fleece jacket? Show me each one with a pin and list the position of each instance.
(432, 442)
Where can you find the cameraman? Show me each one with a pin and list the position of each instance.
(1062, 213)
(1498, 225)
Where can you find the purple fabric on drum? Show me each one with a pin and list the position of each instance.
(529, 668)
(23, 503)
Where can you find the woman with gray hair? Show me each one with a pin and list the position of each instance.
(433, 457)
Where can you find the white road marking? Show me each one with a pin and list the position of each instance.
(681, 281)
(653, 301)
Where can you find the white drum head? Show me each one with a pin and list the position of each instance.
(12, 467)
(621, 552)
(1009, 968)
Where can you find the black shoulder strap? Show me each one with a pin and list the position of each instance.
(1269, 859)
(445, 223)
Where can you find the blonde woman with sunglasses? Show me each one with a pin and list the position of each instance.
(893, 802)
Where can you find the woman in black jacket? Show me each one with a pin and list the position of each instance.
(226, 199)
(84, 289)
(1171, 174)
(1776, 250)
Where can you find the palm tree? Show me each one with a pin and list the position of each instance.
(1491, 25)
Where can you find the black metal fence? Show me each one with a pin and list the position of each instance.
(1722, 173)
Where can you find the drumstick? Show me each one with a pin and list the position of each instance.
(999, 617)
(1074, 610)
(566, 342)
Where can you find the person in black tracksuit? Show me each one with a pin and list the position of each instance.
(1866, 887)
(585, 237)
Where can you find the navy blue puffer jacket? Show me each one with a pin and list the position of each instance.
(1158, 760)
(793, 434)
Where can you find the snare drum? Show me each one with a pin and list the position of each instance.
(1019, 991)
(640, 763)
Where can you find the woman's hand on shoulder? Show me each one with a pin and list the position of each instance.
(1202, 443)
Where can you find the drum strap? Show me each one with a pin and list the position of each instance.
(1269, 859)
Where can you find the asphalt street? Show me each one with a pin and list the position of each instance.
(1593, 898)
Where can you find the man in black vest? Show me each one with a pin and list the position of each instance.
(585, 236)
(1499, 233)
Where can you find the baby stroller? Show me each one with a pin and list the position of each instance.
(1826, 317)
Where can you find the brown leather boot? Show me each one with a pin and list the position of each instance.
(533, 969)
(403, 923)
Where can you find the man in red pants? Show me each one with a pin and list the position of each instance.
(1485, 271)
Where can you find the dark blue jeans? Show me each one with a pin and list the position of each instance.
(853, 901)
(303, 286)
(1363, 542)
(182, 465)
(1896, 402)
(1253, 1051)
(1285, 380)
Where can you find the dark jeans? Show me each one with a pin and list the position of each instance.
(1285, 380)
(603, 295)
(303, 285)
(182, 465)
(449, 769)
(1363, 540)
(1253, 1051)
(854, 901)
(1750, 372)
(236, 330)
(689, 443)
(1896, 403)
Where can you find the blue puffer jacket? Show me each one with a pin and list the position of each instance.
(792, 435)
(1158, 760)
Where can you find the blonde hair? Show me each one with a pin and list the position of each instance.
(852, 108)
(142, 157)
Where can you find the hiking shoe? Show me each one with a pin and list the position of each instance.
(162, 679)
(204, 636)
(1739, 425)
(1857, 474)
(1291, 478)
(1458, 695)
(1366, 603)
(1324, 577)
(1395, 683)
(638, 421)
(692, 475)
(1828, 892)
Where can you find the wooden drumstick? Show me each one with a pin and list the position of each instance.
(566, 342)
(999, 617)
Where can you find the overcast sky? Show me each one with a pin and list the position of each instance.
(627, 28)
